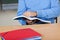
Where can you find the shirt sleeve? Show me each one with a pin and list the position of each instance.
(51, 12)
(21, 10)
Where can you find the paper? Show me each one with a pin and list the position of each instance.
(0, 38)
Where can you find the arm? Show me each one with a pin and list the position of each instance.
(21, 10)
(50, 13)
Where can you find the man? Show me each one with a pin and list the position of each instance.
(43, 9)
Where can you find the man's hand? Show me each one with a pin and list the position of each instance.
(29, 22)
(29, 14)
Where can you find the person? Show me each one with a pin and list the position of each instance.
(43, 9)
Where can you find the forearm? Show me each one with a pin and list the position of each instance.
(48, 13)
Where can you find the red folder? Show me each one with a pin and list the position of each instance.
(20, 34)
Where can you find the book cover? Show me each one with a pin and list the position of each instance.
(21, 34)
(30, 18)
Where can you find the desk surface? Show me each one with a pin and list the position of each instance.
(48, 31)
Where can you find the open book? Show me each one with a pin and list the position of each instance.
(30, 18)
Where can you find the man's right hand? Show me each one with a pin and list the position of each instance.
(29, 22)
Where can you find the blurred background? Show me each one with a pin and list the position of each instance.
(8, 10)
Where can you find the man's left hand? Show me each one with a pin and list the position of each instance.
(29, 14)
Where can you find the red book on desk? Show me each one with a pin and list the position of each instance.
(20, 34)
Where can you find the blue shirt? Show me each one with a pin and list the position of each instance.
(46, 9)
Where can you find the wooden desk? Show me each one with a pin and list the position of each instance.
(48, 31)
